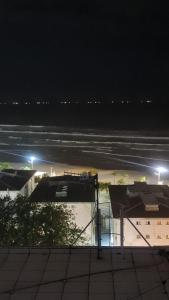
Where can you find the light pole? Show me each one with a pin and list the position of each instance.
(160, 170)
(32, 158)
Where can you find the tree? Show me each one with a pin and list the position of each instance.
(143, 179)
(125, 176)
(26, 167)
(114, 174)
(121, 181)
(4, 165)
(31, 224)
(104, 186)
(93, 171)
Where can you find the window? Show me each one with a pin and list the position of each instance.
(167, 223)
(138, 236)
(158, 236)
(138, 223)
(158, 222)
(167, 236)
(147, 236)
(147, 222)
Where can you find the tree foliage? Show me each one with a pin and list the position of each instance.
(104, 186)
(121, 181)
(4, 165)
(26, 224)
(143, 179)
(114, 175)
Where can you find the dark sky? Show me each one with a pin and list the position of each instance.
(80, 49)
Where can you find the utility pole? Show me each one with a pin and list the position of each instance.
(122, 229)
(98, 219)
(123, 211)
(51, 171)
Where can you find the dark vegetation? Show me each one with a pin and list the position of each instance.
(25, 224)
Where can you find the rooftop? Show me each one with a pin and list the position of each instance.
(14, 180)
(65, 188)
(73, 274)
(145, 201)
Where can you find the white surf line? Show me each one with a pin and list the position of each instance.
(126, 155)
(99, 142)
(11, 153)
(33, 126)
(8, 125)
(65, 141)
(87, 135)
(15, 137)
(26, 157)
(150, 149)
(93, 135)
(129, 155)
(102, 148)
(108, 143)
(128, 143)
(54, 146)
(122, 160)
(138, 156)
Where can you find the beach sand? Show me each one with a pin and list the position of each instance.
(129, 176)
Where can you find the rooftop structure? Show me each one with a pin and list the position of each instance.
(14, 182)
(147, 200)
(77, 192)
(13, 179)
(73, 274)
(66, 188)
(140, 214)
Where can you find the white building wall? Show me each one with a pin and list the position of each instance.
(83, 213)
(155, 230)
(26, 190)
(29, 187)
(11, 194)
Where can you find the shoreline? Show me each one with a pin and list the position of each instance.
(75, 148)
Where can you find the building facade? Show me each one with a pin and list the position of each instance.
(77, 193)
(140, 214)
(16, 182)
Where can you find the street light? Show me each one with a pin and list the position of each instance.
(160, 170)
(32, 158)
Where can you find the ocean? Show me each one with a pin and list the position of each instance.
(92, 147)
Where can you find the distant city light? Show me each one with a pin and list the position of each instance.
(71, 101)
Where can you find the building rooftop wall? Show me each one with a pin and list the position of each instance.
(14, 180)
(151, 201)
(64, 189)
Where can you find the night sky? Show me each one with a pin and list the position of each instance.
(76, 49)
